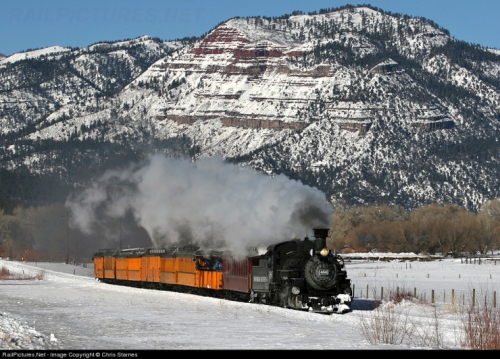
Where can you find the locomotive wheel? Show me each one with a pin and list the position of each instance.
(320, 275)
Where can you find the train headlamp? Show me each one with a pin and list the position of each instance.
(324, 252)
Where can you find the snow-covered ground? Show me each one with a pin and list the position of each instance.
(68, 309)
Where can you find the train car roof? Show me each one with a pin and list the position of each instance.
(211, 252)
(131, 252)
(103, 252)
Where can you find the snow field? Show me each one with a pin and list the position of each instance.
(81, 313)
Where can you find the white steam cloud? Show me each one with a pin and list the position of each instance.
(208, 202)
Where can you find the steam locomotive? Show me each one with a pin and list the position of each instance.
(297, 274)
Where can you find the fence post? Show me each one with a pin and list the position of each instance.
(367, 291)
(397, 292)
(353, 290)
(432, 296)
(473, 297)
(382, 293)
(453, 297)
(495, 299)
(415, 292)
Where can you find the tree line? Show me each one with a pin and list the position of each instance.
(47, 232)
(447, 229)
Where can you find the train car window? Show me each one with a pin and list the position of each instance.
(278, 258)
(208, 263)
(202, 263)
(217, 266)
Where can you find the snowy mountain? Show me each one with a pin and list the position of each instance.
(366, 105)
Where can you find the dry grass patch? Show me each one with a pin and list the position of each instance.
(401, 295)
(5, 274)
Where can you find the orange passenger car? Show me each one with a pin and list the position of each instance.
(104, 264)
(186, 266)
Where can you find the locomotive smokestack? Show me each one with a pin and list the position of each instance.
(320, 234)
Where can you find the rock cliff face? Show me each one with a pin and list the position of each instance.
(365, 105)
(229, 54)
(273, 60)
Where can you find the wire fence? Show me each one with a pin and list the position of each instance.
(471, 297)
(464, 281)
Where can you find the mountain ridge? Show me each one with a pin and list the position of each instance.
(366, 105)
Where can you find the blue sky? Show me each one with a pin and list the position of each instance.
(28, 24)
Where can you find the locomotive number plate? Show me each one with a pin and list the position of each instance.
(260, 279)
(324, 272)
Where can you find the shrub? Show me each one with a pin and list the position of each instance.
(388, 324)
(481, 327)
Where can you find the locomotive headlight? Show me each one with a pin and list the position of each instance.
(324, 252)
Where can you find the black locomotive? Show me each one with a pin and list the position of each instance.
(302, 275)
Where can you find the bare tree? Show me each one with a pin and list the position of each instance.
(491, 209)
